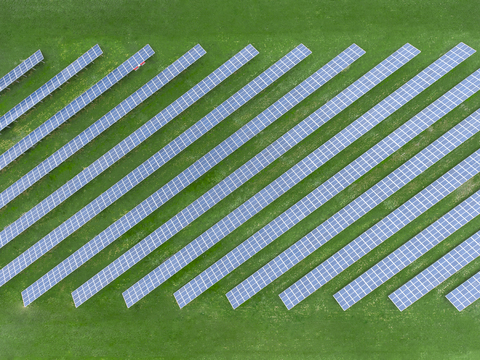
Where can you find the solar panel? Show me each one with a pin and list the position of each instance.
(293, 176)
(125, 146)
(50, 86)
(196, 131)
(298, 173)
(214, 156)
(94, 282)
(205, 86)
(467, 293)
(20, 70)
(437, 273)
(127, 261)
(409, 252)
(75, 106)
(340, 102)
(426, 199)
(137, 175)
(353, 251)
(101, 125)
(390, 224)
(311, 202)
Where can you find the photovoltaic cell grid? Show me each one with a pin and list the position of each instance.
(50, 86)
(289, 179)
(185, 139)
(164, 117)
(332, 147)
(125, 146)
(30, 255)
(102, 201)
(467, 293)
(347, 97)
(101, 125)
(389, 225)
(418, 205)
(410, 251)
(75, 106)
(20, 70)
(352, 252)
(307, 205)
(437, 273)
(142, 249)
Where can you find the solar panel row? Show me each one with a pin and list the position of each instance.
(126, 145)
(205, 163)
(353, 251)
(114, 270)
(386, 227)
(307, 205)
(234, 180)
(338, 103)
(410, 251)
(105, 199)
(216, 116)
(293, 176)
(467, 293)
(422, 202)
(101, 125)
(26, 258)
(49, 87)
(437, 273)
(75, 106)
(20, 70)
(197, 92)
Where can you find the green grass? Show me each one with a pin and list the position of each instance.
(208, 327)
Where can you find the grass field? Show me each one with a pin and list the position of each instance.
(208, 328)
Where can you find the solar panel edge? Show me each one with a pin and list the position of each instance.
(4, 196)
(7, 157)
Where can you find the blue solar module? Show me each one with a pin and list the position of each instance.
(293, 176)
(203, 126)
(20, 70)
(113, 270)
(134, 177)
(389, 225)
(409, 252)
(437, 273)
(359, 247)
(296, 57)
(221, 151)
(101, 125)
(467, 293)
(75, 106)
(315, 199)
(326, 112)
(125, 146)
(49, 87)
